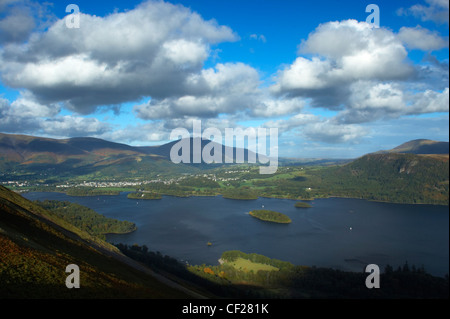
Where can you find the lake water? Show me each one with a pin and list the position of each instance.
(345, 234)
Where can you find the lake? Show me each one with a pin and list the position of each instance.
(341, 233)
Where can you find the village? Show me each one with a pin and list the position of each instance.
(124, 184)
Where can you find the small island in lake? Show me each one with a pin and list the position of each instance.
(92, 191)
(270, 216)
(302, 205)
(139, 195)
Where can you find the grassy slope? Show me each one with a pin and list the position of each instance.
(403, 178)
(398, 178)
(248, 265)
(35, 250)
(286, 280)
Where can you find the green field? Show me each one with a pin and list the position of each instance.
(247, 265)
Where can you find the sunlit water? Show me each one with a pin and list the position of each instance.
(341, 233)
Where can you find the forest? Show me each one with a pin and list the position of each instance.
(140, 195)
(86, 218)
(91, 191)
(302, 205)
(293, 281)
(270, 216)
(183, 188)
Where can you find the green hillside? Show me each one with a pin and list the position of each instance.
(400, 178)
(390, 177)
(36, 247)
(87, 219)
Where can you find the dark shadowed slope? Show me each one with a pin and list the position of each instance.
(35, 249)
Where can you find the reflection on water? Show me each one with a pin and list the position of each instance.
(341, 233)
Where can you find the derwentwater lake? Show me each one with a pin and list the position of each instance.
(341, 233)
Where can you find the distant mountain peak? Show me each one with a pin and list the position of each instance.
(421, 146)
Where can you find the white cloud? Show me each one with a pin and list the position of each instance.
(149, 51)
(16, 26)
(68, 126)
(422, 39)
(229, 89)
(19, 18)
(158, 50)
(25, 106)
(343, 52)
(225, 89)
(272, 107)
(140, 134)
(26, 115)
(183, 52)
(380, 95)
(260, 37)
(320, 129)
(436, 10)
(74, 70)
(333, 133)
(370, 102)
(364, 73)
(294, 123)
(429, 102)
(304, 74)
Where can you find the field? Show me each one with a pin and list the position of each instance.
(247, 265)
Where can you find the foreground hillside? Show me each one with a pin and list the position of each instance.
(36, 248)
(256, 276)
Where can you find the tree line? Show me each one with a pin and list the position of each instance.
(293, 281)
(86, 218)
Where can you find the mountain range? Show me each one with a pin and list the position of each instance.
(84, 153)
(28, 150)
(414, 172)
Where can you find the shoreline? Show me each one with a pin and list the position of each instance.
(243, 199)
(124, 197)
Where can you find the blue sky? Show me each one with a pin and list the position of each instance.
(333, 85)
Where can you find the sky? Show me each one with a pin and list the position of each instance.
(334, 82)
